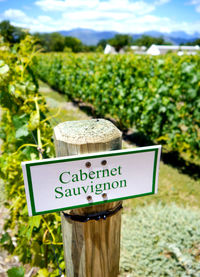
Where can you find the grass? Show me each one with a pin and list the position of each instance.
(160, 241)
(173, 187)
(58, 105)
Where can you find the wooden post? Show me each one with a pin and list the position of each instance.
(91, 249)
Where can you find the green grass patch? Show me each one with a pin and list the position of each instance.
(51, 94)
(172, 187)
(161, 241)
(59, 107)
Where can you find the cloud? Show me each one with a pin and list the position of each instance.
(44, 19)
(20, 19)
(196, 3)
(63, 5)
(137, 7)
(15, 14)
(161, 2)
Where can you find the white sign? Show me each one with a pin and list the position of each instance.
(79, 181)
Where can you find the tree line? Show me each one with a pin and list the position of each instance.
(55, 42)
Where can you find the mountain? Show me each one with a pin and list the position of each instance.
(177, 37)
(87, 36)
(180, 40)
(92, 37)
(154, 34)
(182, 34)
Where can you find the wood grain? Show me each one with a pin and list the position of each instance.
(91, 249)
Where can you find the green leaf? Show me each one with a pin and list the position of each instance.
(37, 256)
(34, 121)
(16, 272)
(5, 238)
(4, 69)
(35, 221)
(43, 272)
(22, 132)
(19, 121)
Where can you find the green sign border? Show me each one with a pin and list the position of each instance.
(110, 154)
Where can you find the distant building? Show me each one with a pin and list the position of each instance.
(121, 51)
(180, 50)
(109, 49)
(138, 49)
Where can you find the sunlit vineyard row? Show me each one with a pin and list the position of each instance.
(158, 96)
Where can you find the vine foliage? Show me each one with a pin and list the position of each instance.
(159, 96)
(26, 135)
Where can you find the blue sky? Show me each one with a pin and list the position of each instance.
(125, 16)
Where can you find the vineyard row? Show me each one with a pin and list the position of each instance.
(159, 96)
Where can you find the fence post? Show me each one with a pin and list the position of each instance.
(91, 249)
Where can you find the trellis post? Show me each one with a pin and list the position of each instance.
(91, 249)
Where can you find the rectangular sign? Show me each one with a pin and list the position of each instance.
(79, 181)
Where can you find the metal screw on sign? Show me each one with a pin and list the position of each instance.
(104, 195)
(104, 162)
(88, 164)
(89, 198)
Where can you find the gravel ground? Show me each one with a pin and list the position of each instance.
(6, 261)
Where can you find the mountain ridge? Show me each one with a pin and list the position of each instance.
(92, 37)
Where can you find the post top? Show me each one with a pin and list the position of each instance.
(86, 131)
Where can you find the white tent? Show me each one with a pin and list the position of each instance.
(109, 49)
(163, 49)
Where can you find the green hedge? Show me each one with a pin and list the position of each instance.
(159, 96)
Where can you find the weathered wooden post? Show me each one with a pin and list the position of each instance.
(92, 249)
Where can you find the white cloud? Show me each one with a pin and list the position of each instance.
(63, 5)
(196, 3)
(15, 14)
(19, 18)
(138, 7)
(44, 19)
(161, 2)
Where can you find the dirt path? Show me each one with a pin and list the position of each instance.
(6, 261)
